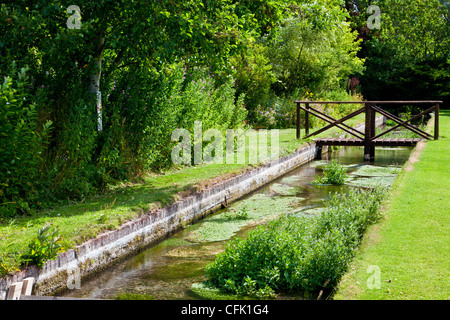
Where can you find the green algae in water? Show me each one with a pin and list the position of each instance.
(134, 296)
(370, 176)
(223, 226)
(206, 291)
(319, 164)
(294, 179)
(196, 251)
(376, 171)
(175, 241)
(173, 270)
(372, 182)
(284, 190)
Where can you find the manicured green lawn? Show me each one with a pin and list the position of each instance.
(410, 247)
(78, 222)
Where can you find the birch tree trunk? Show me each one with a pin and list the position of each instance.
(94, 85)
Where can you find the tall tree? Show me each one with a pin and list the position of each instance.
(315, 50)
(114, 34)
(409, 57)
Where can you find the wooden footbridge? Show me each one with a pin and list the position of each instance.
(368, 139)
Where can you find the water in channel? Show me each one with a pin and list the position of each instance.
(168, 269)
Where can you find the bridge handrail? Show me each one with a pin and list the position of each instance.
(370, 109)
(373, 102)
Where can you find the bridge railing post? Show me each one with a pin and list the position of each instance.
(436, 121)
(298, 120)
(369, 132)
(306, 119)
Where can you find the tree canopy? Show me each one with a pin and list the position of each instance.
(409, 57)
(145, 68)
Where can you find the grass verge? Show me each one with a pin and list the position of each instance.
(408, 251)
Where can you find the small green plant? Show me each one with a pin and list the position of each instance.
(240, 214)
(334, 173)
(8, 259)
(103, 219)
(45, 246)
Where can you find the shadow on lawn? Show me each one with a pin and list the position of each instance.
(132, 200)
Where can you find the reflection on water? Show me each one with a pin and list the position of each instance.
(167, 270)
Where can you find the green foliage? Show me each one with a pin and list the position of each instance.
(426, 36)
(240, 214)
(122, 42)
(253, 76)
(314, 51)
(8, 258)
(265, 117)
(297, 253)
(224, 63)
(45, 246)
(333, 173)
(23, 144)
(407, 59)
(147, 107)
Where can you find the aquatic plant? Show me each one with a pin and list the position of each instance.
(297, 252)
(334, 173)
(242, 213)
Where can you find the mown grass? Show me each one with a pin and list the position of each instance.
(83, 220)
(410, 246)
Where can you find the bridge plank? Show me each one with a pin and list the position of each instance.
(377, 142)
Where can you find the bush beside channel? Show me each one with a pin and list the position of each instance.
(297, 252)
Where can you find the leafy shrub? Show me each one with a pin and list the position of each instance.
(22, 146)
(334, 173)
(297, 253)
(303, 57)
(8, 258)
(240, 214)
(45, 246)
(253, 77)
(73, 160)
(264, 117)
(146, 107)
(71, 172)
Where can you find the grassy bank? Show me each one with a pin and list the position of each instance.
(83, 220)
(409, 248)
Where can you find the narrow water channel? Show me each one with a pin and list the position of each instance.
(168, 269)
